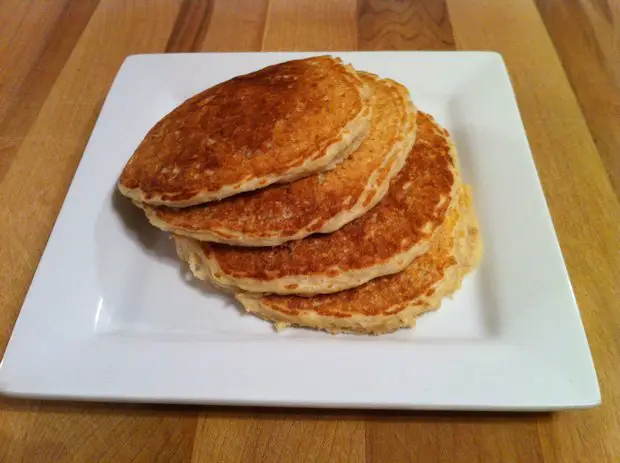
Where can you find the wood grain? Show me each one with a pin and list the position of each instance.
(586, 213)
(248, 20)
(24, 87)
(191, 26)
(455, 437)
(591, 59)
(38, 177)
(96, 432)
(398, 25)
(57, 61)
(278, 437)
(24, 32)
(49, 155)
(308, 25)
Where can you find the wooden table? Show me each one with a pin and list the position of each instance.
(57, 61)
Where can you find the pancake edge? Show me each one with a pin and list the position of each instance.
(467, 253)
(349, 139)
(207, 268)
(394, 160)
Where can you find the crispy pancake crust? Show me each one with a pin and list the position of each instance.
(277, 124)
(317, 204)
(391, 302)
(381, 242)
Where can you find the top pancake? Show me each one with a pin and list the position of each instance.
(383, 241)
(277, 124)
(393, 301)
(317, 204)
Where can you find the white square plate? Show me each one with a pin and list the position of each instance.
(110, 316)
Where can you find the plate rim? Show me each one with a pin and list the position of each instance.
(14, 382)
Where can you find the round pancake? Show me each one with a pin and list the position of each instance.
(317, 204)
(391, 302)
(274, 125)
(381, 242)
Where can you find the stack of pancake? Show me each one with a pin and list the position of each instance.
(319, 195)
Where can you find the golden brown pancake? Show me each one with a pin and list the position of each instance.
(274, 125)
(317, 204)
(390, 302)
(381, 242)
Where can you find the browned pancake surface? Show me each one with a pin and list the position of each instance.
(282, 212)
(262, 124)
(413, 209)
(382, 296)
(390, 302)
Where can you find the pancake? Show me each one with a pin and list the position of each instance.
(391, 302)
(383, 241)
(317, 204)
(277, 124)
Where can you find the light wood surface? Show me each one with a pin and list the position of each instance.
(586, 35)
(57, 61)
